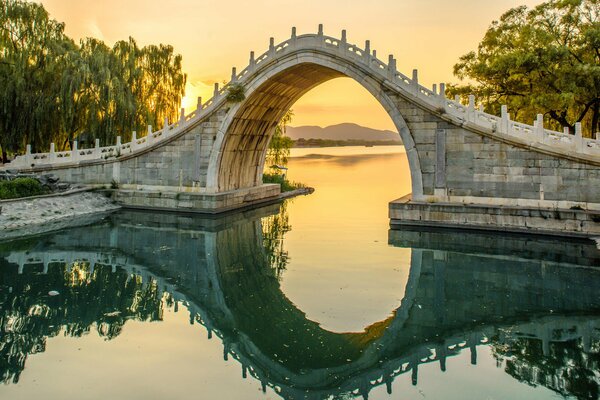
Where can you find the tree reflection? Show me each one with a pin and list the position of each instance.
(99, 300)
(274, 228)
(566, 368)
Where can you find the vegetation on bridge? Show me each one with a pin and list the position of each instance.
(55, 90)
(541, 60)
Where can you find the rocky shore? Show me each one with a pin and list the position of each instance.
(42, 214)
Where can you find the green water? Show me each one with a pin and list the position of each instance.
(315, 298)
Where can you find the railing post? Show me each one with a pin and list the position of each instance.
(133, 140)
(252, 62)
(471, 109)
(320, 32)
(434, 88)
(504, 119)
(74, 152)
(181, 119)
(539, 127)
(415, 81)
(293, 33)
(149, 135)
(271, 47)
(118, 145)
(28, 157)
(97, 148)
(199, 104)
(367, 52)
(165, 124)
(233, 74)
(391, 67)
(442, 96)
(344, 40)
(578, 137)
(216, 91)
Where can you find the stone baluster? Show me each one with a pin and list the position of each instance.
(504, 118)
(166, 124)
(199, 104)
(234, 74)
(293, 37)
(28, 157)
(434, 88)
(579, 141)
(320, 32)
(252, 62)
(216, 91)
(442, 96)
(539, 128)
(118, 145)
(74, 151)
(415, 81)
(480, 108)
(391, 67)
(271, 47)
(566, 130)
(344, 40)
(97, 152)
(457, 99)
(471, 112)
(374, 53)
(181, 120)
(133, 140)
(149, 138)
(367, 53)
(598, 136)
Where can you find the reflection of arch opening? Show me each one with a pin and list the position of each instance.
(245, 133)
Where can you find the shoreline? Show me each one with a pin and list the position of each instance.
(37, 215)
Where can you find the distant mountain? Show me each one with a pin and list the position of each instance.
(345, 131)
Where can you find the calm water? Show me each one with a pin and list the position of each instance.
(314, 298)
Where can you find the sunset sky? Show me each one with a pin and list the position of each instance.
(214, 35)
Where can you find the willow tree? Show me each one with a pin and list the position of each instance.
(541, 60)
(32, 49)
(55, 91)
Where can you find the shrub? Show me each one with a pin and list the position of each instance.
(286, 186)
(21, 187)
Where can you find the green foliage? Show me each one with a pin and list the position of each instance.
(236, 93)
(20, 187)
(544, 60)
(280, 144)
(55, 90)
(286, 185)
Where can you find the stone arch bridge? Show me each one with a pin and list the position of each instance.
(468, 168)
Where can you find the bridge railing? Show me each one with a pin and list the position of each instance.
(534, 134)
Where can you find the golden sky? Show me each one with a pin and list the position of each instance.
(214, 35)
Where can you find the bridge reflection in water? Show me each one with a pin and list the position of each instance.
(534, 301)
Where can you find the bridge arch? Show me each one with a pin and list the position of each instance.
(238, 155)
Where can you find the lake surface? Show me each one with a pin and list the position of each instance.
(315, 298)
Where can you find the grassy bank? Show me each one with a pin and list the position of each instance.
(286, 185)
(20, 187)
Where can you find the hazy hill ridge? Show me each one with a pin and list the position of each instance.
(345, 131)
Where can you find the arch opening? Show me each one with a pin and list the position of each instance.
(245, 133)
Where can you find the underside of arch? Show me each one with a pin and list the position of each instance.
(246, 134)
(250, 131)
